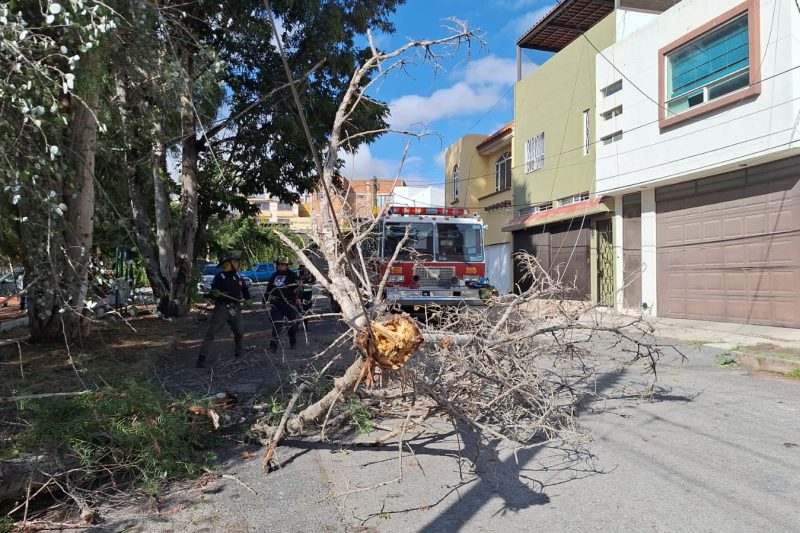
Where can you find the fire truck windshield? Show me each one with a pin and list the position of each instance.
(459, 242)
(419, 245)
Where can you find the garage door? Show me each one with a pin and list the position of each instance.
(563, 251)
(729, 246)
(498, 266)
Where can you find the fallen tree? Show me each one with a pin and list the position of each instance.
(516, 369)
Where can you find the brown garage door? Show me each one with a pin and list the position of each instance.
(562, 251)
(729, 246)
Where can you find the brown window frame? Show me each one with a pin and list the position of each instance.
(752, 9)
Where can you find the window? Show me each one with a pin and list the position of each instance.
(284, 207)
(587, 132)
(535, 208)
(614, 137)
(575, 198)
(502, 172)
(534, 153)
(320, 195)
(265, 206)
(456, 179)
(612, 89)
(361, 196)
(459, 242)
(708, 67)
(284, 221)
(418, 246)
(612, 113)
(384, 199)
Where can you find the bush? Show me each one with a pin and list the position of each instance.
(133, 432)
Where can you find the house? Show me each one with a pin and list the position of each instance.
(697, 116)
(272, 211)
(478, 171)
(557, 215)
(359, 199)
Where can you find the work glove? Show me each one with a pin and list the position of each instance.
(215, 293)
(248, 304)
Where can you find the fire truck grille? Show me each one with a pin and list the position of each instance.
(434, 276)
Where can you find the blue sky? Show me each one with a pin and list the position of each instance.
(473, 96)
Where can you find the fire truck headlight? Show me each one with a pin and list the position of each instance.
(397, 278)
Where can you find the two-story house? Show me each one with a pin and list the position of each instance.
(698, 117)
(272, 211)
(557, 215)
(478, 176)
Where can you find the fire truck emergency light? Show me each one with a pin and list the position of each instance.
(449, 211)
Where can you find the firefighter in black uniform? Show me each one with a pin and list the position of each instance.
(229, 292)
(306, 279)
(283, 296)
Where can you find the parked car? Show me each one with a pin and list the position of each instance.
(259, 273)
(211, 270)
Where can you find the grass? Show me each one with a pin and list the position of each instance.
(794, 374)
(360, 414)
(727, 359)
(133, 433)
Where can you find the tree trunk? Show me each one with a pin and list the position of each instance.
(144, 234)
(184, 256)
(166, 251)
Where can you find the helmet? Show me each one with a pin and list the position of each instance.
(230, 256)
(283, 261)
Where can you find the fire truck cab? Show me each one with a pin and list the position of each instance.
(442, 261)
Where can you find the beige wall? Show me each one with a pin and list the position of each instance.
(552, 100)
(477, 181)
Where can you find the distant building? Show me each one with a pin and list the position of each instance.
(417, 197)
(272, 211)
(358, 198)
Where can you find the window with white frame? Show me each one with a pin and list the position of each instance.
(535, 208)
(612, 113)
(502, 172)
(612, 89)
(534, 153)
(575, 198)
(614, 137)
(456, 179)
(587, 132)
(708, 67)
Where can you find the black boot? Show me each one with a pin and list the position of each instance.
(201, 360)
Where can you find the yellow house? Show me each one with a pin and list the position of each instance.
(272, 211)
(556, 216)
(478, 176)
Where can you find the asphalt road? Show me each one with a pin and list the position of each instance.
(717, 449)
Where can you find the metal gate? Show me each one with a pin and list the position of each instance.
(605, 263)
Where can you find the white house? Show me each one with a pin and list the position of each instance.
(698, 115)
(418, 196)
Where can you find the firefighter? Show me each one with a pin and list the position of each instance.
(306, 279)
(283, 296)
(230, 293)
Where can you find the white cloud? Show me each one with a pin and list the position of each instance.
(363, 165)
(440, 159)
(459, 100)
(520, 25)
(477, 88)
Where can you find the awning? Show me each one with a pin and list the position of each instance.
(565, 23)
(581, 209)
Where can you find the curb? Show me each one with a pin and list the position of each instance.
(768, 364)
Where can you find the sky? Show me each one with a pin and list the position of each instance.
(472, 94)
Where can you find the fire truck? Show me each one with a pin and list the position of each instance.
(442, 261)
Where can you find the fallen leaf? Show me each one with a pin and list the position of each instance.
(212, 414)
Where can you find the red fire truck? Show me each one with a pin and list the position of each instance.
(442, 261)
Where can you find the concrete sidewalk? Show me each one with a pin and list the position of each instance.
(725, 335)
